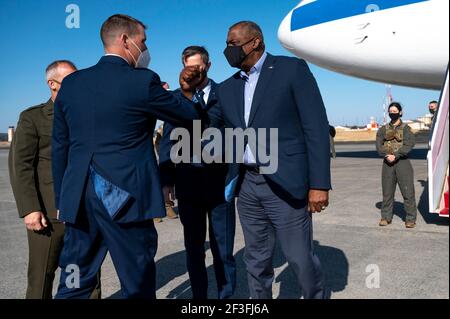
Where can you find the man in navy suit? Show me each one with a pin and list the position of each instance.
(105, 173)
(201, 202)
(276, 92)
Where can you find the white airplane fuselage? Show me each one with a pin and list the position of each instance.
(403, 42)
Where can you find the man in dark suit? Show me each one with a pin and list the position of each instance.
(276, 92)
(105, 173)
(201, 201)
(30, 173)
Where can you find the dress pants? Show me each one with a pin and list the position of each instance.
(132, 247)
(266, 217)
(220, 219)
(43, 257)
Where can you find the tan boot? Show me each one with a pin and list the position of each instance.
(171, 213)
(410, 224)
(157, 220)
(384, 222)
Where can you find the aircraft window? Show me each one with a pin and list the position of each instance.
(372, 8)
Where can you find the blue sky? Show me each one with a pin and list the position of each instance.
(34, 34)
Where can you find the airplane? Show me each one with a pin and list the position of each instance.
(402, 42)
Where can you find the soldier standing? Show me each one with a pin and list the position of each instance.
(30, 173)
(433, 107)
(394, 142)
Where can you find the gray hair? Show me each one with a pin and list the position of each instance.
(52, 69)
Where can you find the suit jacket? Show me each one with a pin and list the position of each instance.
(287, 98)
(104, 117)
(30, 168)
(193, 182)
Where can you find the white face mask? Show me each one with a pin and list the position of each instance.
(144, 58)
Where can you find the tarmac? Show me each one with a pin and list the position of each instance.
(360, 260)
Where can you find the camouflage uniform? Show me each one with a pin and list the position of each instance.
(397, 141)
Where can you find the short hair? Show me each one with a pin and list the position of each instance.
(52, 68)
(193, 50)
(251, 27)
(118, 24)
(397, 105)
(434, 102)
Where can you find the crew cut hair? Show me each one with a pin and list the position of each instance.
(253, 28)
(118, 24)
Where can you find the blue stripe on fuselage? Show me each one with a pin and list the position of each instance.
(322, 11)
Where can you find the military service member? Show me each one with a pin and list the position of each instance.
(433, 107)
(394, 142)
(32, 184)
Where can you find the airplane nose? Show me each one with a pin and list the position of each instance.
(284, 32)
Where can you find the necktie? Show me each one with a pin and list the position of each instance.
(199, 98)
(200, 94)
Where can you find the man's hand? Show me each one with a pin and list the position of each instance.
(169, 195)
(317, 200)
(190, 78)
(35, 221)
(390, 158)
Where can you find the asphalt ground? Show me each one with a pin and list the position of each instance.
(359, 259)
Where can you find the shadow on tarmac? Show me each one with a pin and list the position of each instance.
(334, 265)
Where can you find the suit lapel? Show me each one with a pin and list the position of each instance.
(239, 89)
(212, 98)
(261, 87)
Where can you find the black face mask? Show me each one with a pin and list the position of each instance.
(394, 116)
(432, 111)
(236, 55)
